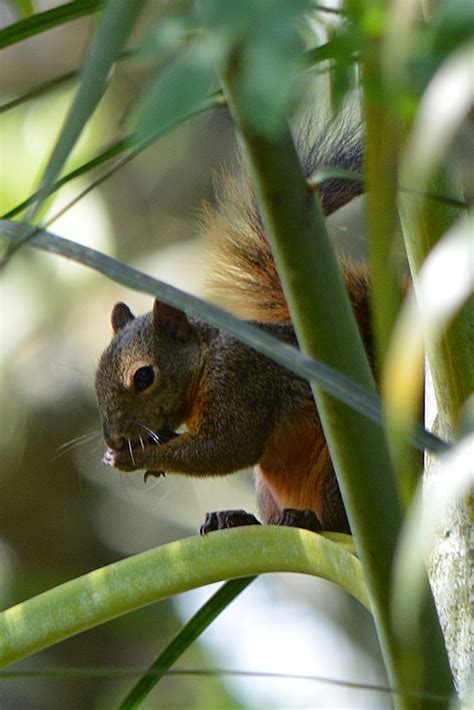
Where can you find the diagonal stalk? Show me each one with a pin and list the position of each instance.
(335, 383)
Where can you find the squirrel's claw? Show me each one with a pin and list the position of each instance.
(122, 460)
(153, 474)
(306, 519)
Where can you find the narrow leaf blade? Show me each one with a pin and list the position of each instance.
(188, 634)
(28, 27)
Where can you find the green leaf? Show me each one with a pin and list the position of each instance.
(189, 633)
(453, 25)
(47, 20)
(270, 53)
(444, 285)
(181, 86)
(24, 7)
(442, 111)
(156, 574)
(175, 25)
(116, 23)
(249, 18)
(340, 47)
(270, 69)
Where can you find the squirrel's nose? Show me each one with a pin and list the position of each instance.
(113, 439)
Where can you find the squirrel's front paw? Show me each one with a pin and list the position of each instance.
(120, 459)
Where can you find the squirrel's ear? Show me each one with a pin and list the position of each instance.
(121, 315)
(171, 320)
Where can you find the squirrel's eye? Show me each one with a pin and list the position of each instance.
(143, 378)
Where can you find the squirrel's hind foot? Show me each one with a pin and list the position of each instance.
(223, 519)
(290, 517)
(293, 518)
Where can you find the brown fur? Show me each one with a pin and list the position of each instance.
(293, 466)
(243, 272)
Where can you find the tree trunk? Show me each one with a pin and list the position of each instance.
(451, 563)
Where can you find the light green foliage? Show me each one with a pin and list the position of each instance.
(262, 54)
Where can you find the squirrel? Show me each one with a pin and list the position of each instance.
(164, 369)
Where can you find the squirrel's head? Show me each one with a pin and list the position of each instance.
(145, 377)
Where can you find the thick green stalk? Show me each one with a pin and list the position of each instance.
(450, 359)
(383, 224)
(326, 330)
(146, 578)
(382, 148)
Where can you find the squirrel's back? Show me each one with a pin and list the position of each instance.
(244, 274)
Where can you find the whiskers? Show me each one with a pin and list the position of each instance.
(65, 448)
(130, 448)
(152, 434)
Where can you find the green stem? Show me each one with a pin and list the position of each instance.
(51, 84)
(384, 241)
(326, 330)
(382, 148)
(44, 88)
(154, 575)
(47, 20)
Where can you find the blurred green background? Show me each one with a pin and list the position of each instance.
(64, 514)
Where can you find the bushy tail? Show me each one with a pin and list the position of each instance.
(244, 278)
